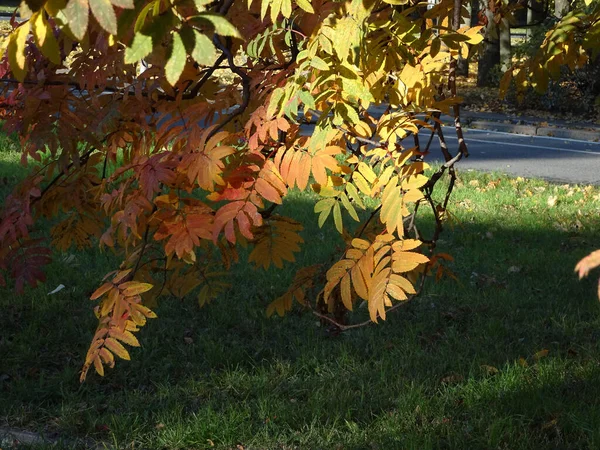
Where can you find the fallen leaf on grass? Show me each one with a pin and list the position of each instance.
(552, 201)
(523, 362)
(514, 269)
(453, 378)
(541, 354)
(489, 370)
(58, 288)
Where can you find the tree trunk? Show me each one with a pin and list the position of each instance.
(489, 55)
(530, 5)
(505, 46)
(462, 67)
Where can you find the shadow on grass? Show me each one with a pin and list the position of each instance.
(457, 368)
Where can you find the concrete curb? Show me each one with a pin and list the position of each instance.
(591, 134)
(13, 438)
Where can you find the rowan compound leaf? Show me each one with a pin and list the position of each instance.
(77, 14)
(276, 241)
(303, 280)
(176, 62)
(105, 15)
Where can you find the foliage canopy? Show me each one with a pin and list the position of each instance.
(169, 131)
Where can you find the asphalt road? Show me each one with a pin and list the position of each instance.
(554, 159)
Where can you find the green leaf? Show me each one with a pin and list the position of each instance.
(77, 13)
(204, 51)
(324, 205)
(201, 4)
(351, 189)
(286, 8)
(221, 25)
(105, 15)
(346, 36)
(349, 207)
(176, 62)
(140, 48)
(305, 5)
(318, 63)
(141, 19)
(307, 99)
(276, 97)
(337, 217)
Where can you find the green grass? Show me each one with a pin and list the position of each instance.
(445, 372)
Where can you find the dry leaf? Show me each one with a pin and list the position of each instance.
(541, 354)
(523, 362)
(489, 370)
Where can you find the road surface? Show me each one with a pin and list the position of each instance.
(554, 159)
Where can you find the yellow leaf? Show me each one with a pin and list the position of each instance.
(305, 5)
(44, 37)
(131, 288)
(107, 357)
(489, 370)
(360, 243)
(124, 336)
(407, 261)
(101, 291)
(98, 366)
(396, 291)
(114, 346)
(406, 245)
(346, 292)
(523, 362)
(16, 51)
(378, 296)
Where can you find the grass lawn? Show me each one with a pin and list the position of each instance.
(507, 357)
